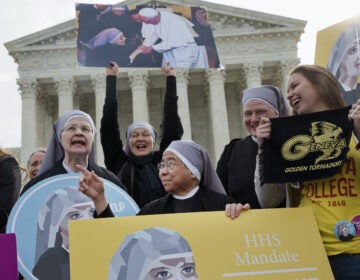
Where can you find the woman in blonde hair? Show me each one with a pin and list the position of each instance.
(10, 184)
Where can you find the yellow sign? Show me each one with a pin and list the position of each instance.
(337, 49)
(260, 244)
(326, 38)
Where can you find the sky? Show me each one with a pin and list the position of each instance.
(29, 16)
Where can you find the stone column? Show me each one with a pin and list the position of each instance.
(284, 69)
(218, 112)
(253, 73)
(65, 88)
(28, 90)
(45, 108)
(138, 80)
(240, 87)
(98, 83)
(182, 79)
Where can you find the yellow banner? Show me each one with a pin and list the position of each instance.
(260, 244)
(326, 38)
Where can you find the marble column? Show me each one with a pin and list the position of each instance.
(218, 111)
(284, 69)
(182, 79)
(45, 108)
(65, 88)
(98, 83)
(240, 87)
(138, 80)
(253, 73)
(28, 90)
(252, 78)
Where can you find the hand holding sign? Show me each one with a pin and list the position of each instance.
(263, 130)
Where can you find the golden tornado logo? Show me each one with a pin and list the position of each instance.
(325, 137)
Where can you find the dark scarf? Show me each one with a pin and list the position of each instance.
(145, 182)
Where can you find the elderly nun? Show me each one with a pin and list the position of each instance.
(148, 252)
(189, 179)
(236, 165)
(135, 161)
(71, 144)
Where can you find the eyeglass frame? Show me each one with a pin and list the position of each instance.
(169, 164)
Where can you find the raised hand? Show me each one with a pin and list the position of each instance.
(112, 69)
(92, 186)
(168, 71)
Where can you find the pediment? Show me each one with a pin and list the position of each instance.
(226, 21)
(54, 37)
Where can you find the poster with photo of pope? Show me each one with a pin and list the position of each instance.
(144, 36)
(40, 221)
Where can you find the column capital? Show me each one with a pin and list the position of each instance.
(138, 78)
(65, 85)
(283, 71)
(182, 76)
(253, 72)
(253, 67)
(215, 75)
(98, 82)
(28, 87)
(285, 66)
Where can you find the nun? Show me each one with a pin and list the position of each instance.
(236, 166)
(71, 144)
(135, 160)
(190, 181)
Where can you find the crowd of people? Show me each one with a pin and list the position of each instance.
(179, 177)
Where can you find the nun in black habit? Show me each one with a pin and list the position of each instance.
(189, 179)
(135, 161)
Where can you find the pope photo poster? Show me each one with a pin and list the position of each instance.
(144, 36)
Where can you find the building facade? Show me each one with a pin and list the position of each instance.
(254, 48)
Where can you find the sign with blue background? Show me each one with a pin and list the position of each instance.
(39, 218)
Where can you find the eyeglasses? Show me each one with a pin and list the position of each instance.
(73, 129)
(169, 165)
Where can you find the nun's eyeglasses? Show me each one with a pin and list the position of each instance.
(74, 129)
(169, 165)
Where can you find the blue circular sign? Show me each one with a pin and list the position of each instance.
(39, 218)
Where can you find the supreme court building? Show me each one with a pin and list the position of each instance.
(255, 49)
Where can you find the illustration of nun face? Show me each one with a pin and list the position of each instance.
(153, 254)
(176, 266)
(81, 211)
(59, 208)
(351, 61)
